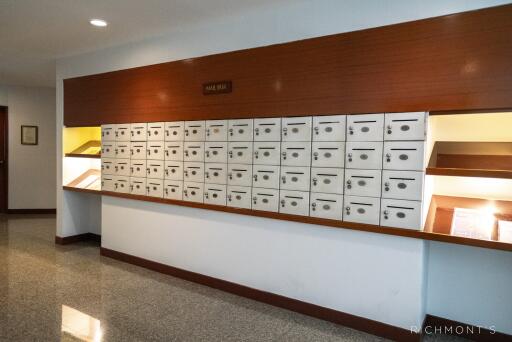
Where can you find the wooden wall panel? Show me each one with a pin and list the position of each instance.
(454, 62)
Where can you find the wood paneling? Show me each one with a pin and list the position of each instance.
(462, 330)
(454, 62)
(356, 322)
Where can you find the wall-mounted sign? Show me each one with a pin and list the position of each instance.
(219, 87)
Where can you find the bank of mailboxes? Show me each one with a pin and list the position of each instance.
(365, 168)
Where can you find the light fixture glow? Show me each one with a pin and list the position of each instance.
(98, 22)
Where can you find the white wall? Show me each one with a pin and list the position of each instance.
(375, 276)
(31, 168)
(470, 285)
(3, 95)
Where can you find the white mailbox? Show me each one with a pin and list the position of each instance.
(108, 149)
(122, 167)
(138, 132)
(138, 168)
(121, 184)
(195, 131)
(240, 152)
(155, 131)
(328, 206)
(296, 128)
(107, 166)
(366, 127)
(363, 182)
(329, 128)
(401, 214)
(215, 173)
(123, 149)
(217, 130)
(294, 202)
(404, 155)
(240, 130)
(138, 150)
(239, 197)
(265, 199)
(268, 129)
(267, 153)
(240, 174)
(174, 131)
(215, 194)
(361, 209)
(265, 176)
(173, 170)
(107, 183)
(193, 192)
(155, 169)
(122, 132)
(407, 185)
(295, 178)
(155, 187)
(405, 126)
(108, 133)
(364, 155)
(173, 189)
(155, 150)
(173, 150)
(193, 172)
(138, 186)
(216, 152)
(327, 180)
(193, 151)
(296, 153)
(328, 154)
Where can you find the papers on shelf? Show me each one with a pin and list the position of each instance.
(88, 182)
(505, 231)
(472, 223)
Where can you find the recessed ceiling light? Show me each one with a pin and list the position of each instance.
(98, 22)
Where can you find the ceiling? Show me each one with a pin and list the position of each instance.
(34, 33)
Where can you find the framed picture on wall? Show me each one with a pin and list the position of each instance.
(29, 135)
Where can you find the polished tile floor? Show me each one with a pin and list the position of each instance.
(71, 293)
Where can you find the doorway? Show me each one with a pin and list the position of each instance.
(4, 170)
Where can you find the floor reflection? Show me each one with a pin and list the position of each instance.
(80, 325)
(71, 293)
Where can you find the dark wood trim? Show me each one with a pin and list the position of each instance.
(31, 211)
(5, 111)
(89, 191)
(470, 111)
(352, 321)
(468, 331)
(78, 155)
(504, 174)
(420, 65)
(66, 240)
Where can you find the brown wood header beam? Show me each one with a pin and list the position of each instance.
(453, 62)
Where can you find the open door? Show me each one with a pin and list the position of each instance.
(4, 170)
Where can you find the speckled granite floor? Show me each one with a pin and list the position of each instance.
(59, 293)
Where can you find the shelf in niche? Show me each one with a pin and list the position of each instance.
(471, 159)
(441, 218)
(91, 149)
(89, 181)
(441, 210)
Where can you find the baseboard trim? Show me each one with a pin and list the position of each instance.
(468, 331)
(342, 318)
(66, 240)
(31, 211)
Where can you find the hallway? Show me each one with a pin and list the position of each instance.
(39, 279)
